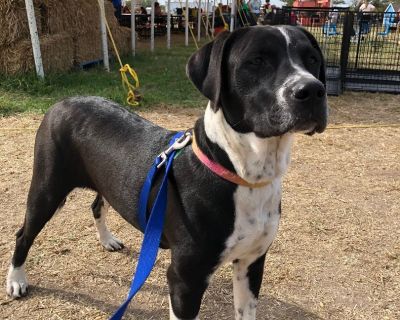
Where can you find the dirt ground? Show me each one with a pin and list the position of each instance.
(336, 256)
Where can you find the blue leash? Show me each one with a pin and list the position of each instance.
(153, 229)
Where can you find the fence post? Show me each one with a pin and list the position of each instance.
(133, 27)
(152, 26)
(37, 55)
(104, 42)
(233, 16)
(169, 24)
(187, 23)
(199, 22)
(345, 49)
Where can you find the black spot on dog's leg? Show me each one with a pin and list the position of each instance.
(97, 204)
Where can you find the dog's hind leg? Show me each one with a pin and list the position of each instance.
(108, 241)
(246, 286)
(44, 198)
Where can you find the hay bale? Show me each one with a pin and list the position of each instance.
(88, 48)
(14, 21)
(88, 44)
(57, 54)
(122, 35)
(73, 16)
(74, 20)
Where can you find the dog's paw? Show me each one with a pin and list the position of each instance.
(109, 242)
(17, 285)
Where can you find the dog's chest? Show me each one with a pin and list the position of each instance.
(256, 222)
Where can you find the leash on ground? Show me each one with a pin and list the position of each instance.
(154, 226)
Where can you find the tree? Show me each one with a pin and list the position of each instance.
(288, 3)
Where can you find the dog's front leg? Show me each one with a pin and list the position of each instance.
(187, 281)
(247, 278)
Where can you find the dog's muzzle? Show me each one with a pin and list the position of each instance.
(310, 107)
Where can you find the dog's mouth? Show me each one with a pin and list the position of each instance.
(310, 126)
(312, 122)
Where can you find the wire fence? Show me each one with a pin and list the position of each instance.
(362, 50)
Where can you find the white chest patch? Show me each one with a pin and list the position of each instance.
(256, 222)
(256, 209)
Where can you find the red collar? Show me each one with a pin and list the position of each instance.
(222, 171)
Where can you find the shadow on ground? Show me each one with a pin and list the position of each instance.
(270, 308)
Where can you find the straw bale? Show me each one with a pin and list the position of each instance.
(14, 21)
(122, 35)
(73, 16)
(88, 44)
(79, 19)
(123, 40)
(57, 54)
(88, 48)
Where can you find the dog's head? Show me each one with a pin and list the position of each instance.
(267, 80)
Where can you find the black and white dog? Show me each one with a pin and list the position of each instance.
(264, 84)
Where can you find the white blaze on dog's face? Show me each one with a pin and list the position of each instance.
(267, 80)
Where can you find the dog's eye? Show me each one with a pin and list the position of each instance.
(312, 60)
(257, 61)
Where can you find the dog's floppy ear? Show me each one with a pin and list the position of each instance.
(314, 43)
(204, 68)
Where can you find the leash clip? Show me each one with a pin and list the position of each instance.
(179, 143)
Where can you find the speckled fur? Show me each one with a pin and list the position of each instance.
(257, 210)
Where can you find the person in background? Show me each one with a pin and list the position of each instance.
(367, 7)
(143, 10)
(268, 12)
(244, 15)
(143, 15)
(126, 9)
(118, 8)
(365, 11)
(267, 7)
(254, 6)
(333, 16)
(157, 9)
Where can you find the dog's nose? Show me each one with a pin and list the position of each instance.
(311, 90)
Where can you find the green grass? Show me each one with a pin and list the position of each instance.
(162, 82)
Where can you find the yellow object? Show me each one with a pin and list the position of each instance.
(191, 31)
(131, 98)
(226, 26)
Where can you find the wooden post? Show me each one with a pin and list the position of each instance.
(169, 24)
(233, 15)
(133, 27)
(199, 21)
(37, 55)
(207, 21)
(213, 20)
(187, 23)
(104, 36)
(152, 26)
